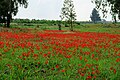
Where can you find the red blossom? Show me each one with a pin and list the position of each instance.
(96, 59)
(82, 74)
(57, 66)
(92, 56)
(118, 60)
(68, 56)
(86, 53)
(52, 69)
(118, 54)
(44, 55)
(35, 55)
(46, 62)
(114, 71)
(68, 61)
(38, 63)
(93, 72)
(85, 60)
(89, 77)
(24, 54)
(49, 53)
(88, 65)
(79, 64)
(20, 57)
(63, 70)
(37, 47)
(93, 69)
(94, 77)
(80, 57)
(84, 45)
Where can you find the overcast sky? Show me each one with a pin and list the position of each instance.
(51, 9)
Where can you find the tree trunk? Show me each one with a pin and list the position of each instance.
(71, 26)
(4, 21)
(115, 19)
(8, 20)
(59, 25)
(8, 23)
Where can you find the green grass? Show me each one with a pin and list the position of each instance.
(109, 28)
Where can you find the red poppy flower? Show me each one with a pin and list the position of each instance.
(80, 57)
(57, 66)
(63, 70)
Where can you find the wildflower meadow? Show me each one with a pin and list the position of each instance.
(59, 55)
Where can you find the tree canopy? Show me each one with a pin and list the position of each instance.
(95, 17)
(114, 6)
(9, 8)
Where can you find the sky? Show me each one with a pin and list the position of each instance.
(51, 10)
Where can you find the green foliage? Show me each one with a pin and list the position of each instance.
(114, 6)
(9, 8)
(95, 17)
(48, 22)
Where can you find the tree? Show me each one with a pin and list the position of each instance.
(95, 16)
(68, 13)
(9, 8)
(114, 6)
(59, 25)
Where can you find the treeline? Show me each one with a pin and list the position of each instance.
(48, 22)
(55, 22)
(36, 21)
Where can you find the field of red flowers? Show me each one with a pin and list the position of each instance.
(59, 55)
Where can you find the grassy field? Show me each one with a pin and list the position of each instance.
(90, 52)
(108, 27)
